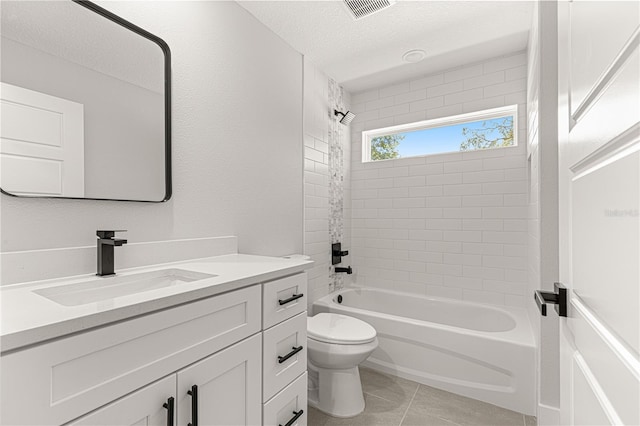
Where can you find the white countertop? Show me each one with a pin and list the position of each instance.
(27, 318)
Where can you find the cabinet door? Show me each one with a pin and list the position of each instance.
(143, 407)
(227, 389)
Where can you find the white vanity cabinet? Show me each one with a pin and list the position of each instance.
(141, 408)
(136, 371)
(218, 389)
(62, 380)
(284, 360)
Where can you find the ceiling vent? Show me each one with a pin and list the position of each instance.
(362, 8)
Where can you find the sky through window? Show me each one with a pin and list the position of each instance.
(493, 128)
(443, 139)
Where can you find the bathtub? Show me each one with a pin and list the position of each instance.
(479, 351)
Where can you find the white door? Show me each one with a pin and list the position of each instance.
(599, 151)
(41, 144)
(149, 406)
(228, 390)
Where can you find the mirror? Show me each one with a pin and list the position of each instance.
(85, 104)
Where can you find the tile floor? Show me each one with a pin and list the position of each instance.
(392, 401)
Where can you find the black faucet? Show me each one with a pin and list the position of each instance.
(348, 269)
(106, 243)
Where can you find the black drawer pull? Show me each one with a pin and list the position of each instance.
(194, 405)
(291, 299)
(294, 418)
(169, 406)
(282, 359)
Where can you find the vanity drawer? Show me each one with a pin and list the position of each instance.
(283, 299)
(56, 382)
(284, 354)
(287, 404)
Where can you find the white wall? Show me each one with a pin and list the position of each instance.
(542, 150)
(451, 225)
(237, 155)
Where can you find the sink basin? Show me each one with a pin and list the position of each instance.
(100, 289)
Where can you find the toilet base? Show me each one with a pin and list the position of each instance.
(338, 392)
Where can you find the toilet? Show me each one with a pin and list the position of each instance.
(336, 344)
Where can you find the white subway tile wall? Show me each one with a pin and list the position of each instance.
(451, 225)
(319, 222)
(316, 180)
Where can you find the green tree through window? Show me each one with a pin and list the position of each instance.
(385, 147)
(492, 128)
(493, 134)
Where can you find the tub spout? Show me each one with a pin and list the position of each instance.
(348, 269)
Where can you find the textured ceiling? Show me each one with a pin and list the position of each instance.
(368, 53)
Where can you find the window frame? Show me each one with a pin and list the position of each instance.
(452, 120)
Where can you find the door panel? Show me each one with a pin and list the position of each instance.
(599, 169)
(609, 366)
(32, 176)
(589, 397)
(605, 122)
(41, 143)
(599, 30)
(605, 243)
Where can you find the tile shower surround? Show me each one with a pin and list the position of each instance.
(326, 179)
(336, 176)
(451, 225)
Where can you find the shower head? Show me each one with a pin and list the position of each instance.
(347, 117)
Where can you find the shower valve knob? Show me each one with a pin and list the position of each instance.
(337, 253)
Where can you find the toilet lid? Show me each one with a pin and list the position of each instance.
(339, 329)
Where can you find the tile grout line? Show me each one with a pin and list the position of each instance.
(377, 396)
(409, 405)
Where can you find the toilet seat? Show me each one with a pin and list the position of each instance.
(339, 329)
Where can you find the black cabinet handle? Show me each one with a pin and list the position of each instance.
(194, 405)
(294, 418)
(291, 299)
(169, 406)
(295, 350)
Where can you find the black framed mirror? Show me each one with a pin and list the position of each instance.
(85, 104)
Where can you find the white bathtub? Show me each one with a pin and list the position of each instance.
(480, 351)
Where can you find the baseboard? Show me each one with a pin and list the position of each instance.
(548, 416)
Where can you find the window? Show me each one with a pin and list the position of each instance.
(493, 128)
